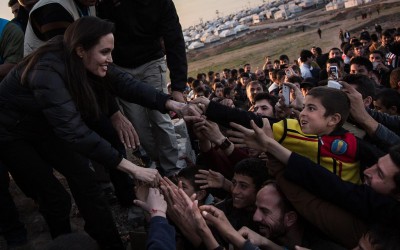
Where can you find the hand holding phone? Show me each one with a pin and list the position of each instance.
(286, 94)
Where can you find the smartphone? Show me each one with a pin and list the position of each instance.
(333, 73)
(286, 94)
(334, 84)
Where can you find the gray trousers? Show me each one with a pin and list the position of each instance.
(156, 132)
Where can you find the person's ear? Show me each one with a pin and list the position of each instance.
(367, 101)
(80, 52)
(334, 119)
(201, 195)
(290, 218)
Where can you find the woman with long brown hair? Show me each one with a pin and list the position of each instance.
(44, 105)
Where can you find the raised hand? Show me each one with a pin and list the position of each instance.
(254, 138)
(154, 203)
(209, 179)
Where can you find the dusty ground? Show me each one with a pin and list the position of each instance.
(286, 37)
(269, 39)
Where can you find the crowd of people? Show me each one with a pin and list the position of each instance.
(297, 154)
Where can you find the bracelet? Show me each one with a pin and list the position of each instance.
(154, 211)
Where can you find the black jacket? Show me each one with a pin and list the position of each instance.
(45, 106)
(141, 26)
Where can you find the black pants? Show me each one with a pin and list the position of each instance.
(10, 226)
(29, 161)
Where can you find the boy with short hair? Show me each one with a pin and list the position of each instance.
(319, 135)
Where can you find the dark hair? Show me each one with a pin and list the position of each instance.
(189, 173)
(304, 54)
(294, 79)
(374, 37)
(394, 153)
(218, 85)
(266, 96)
(227, 91)
(364, 85)
(86, 33)
(334, 48)
(255, 169)
(380, 53)
(283, 57)
(333, 100)
(395, 78)
(12, 2)
(333, 60)
(190, 80)
(389, 98)
(362, 61)
(387, 32)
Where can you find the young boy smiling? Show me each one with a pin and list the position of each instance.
(318, 134)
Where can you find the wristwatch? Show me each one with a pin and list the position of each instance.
(225, 144)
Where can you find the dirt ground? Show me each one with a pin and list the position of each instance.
(286, 37)
(271, 39)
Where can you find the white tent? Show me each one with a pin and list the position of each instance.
(227, 33)
(352, 3)
(240, 28)
(211, 39)
(196, 45)
(295, 8)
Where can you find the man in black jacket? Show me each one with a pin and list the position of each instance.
(146, 31)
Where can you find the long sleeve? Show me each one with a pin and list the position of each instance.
(161, 235)
(223, 115)
(132, 90)
(171, 32)
(332, 220)
(360, 200)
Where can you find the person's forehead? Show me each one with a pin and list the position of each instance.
(268, 196)
(387, 166)
(262, 103)
(243, 178)
(309, 99)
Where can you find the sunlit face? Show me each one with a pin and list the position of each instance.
(187, 187)
(269, 214)
(219, 92)
(247, 68)
(386, 40)
(358, 69)
(243, 191)
(97, 58)
(260, 75)
(380, 176)
(252, 90)
(375, 57)
(313, 119)
(334, 53)
(359, 51)
(263, 108)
